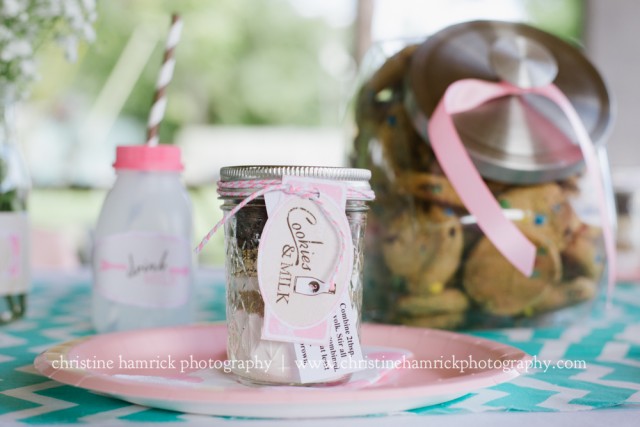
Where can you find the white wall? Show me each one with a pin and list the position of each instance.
(612, 39)
(205, 149)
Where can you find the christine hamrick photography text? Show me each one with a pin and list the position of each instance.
(190, 363)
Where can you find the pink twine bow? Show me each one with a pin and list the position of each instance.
(268, 186)
(464, 95)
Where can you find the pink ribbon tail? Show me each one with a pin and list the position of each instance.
(466, 180)
(593, 169)
(467, 94)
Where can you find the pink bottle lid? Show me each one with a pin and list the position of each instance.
(148, 158)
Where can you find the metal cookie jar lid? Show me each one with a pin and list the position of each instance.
(509, 139)
(357, 180)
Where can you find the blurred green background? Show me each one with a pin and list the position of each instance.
(240, 63)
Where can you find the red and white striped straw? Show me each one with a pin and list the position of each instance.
(164, 78)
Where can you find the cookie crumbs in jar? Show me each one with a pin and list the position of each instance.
(247, 309)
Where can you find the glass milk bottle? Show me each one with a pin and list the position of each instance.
(14, 220)
(142, 259)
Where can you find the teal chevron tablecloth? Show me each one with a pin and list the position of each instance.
(593, 364)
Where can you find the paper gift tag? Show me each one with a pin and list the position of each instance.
(340, 356)
(302, 244)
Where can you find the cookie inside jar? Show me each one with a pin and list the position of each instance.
(429, 263)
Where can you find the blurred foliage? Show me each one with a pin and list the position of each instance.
(238, 62)
(243, 62)
(564, 18)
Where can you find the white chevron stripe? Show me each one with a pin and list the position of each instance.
(49, 404)
(5, 358)
(594, 374)
(634, 398)
(576, 333)
(519, 334)
(628, 296)
(630, 334)
(193, 419)
(613, 352)
(610, 315)
(22, 326)
(477, 403)
(101, 418)
(29, 369)
(555, 349)
(68, 333)
(558, 401)
(69, 319)
(113, 415)
(617, 352)
(7, 340)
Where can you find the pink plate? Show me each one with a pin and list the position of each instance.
(175, 369)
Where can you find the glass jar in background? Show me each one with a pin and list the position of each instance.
(626, 185)
(245, 304)
(429, 263)
(15, 184)
(142, 258)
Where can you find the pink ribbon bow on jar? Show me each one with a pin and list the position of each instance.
(467, 94)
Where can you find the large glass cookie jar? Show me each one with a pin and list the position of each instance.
(438, 255)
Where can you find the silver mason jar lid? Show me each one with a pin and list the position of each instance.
(356, 179)
(509, 139)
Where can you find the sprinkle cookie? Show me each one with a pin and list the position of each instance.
(436, 321)
(584, 255)
(448, 301)
(424, 247)
(492, 282)
(567, 293)
(546, 209)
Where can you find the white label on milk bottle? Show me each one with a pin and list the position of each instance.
(14, 253)
(143, 269)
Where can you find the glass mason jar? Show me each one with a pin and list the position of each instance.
(245, 304)
(430, 264)
(14, 225)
